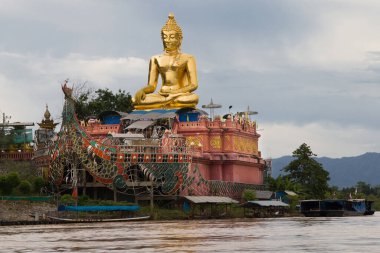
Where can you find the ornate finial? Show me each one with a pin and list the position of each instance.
(47, 123)
(171, 25)
(47, 113)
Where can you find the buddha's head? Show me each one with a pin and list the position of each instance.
(171, 35)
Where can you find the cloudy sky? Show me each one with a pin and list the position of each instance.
(310, 68)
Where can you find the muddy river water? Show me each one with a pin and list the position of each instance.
(296, 234)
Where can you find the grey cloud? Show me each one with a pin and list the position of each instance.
(297, 96)
(262, 54)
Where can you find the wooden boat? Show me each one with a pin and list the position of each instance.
(336, 207)
(96, 214)
(98, 219)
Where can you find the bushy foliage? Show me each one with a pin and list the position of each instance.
(13, 179)
(4, 186)
(282, 183)
(294, 201)
(67, 199)
(90, 104)
(248, 195)
(9, 182)
(360, 190)
(25, 187)
(38, 183)
(83, 200)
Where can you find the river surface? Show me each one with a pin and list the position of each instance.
(296, 234)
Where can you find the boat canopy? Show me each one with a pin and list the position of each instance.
(98, 208)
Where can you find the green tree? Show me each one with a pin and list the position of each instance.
(363, 187)
(9, 182)
(376, 190)
(89, 103)
(38, 183)
(282, 183)
(308, 173)
(25, 187)
(67, 199)
(249, 194)
(4, 187)
(14, 179)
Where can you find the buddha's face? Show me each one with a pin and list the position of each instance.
(171, 40)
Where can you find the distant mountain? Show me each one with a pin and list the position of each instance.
(345, 171)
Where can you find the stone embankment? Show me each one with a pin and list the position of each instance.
(23, 212)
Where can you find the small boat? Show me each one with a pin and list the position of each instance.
(336, 207)
(96, 214)
(88, 219)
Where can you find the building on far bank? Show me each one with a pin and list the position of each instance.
(16, 140)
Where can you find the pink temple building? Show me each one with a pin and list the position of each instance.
(225, 150)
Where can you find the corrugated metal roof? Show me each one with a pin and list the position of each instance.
(168, 115)
(210, 199)
(291, 193)
(112, 112)
(264, 194)
(132, 117)
(152, 114)
(191, 110)
(141, 124)
(265, 203)
(17, 124)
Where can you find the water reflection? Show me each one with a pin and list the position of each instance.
(346, 234)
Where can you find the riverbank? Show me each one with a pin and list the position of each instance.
(23, 210)
(32, 213)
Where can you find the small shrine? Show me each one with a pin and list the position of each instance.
(43, 139)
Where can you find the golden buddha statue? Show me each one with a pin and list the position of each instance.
(177, 71)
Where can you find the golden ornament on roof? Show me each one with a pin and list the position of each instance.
(47, 122)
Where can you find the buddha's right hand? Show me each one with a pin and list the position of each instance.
(140, 95)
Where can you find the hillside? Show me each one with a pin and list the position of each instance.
(345, 171)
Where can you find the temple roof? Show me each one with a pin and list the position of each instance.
(16, 124)
(211, 199)
(141, 124)
(160, 113)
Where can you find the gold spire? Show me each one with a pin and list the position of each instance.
(47, 113)
(47, 123)
(171, 25)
